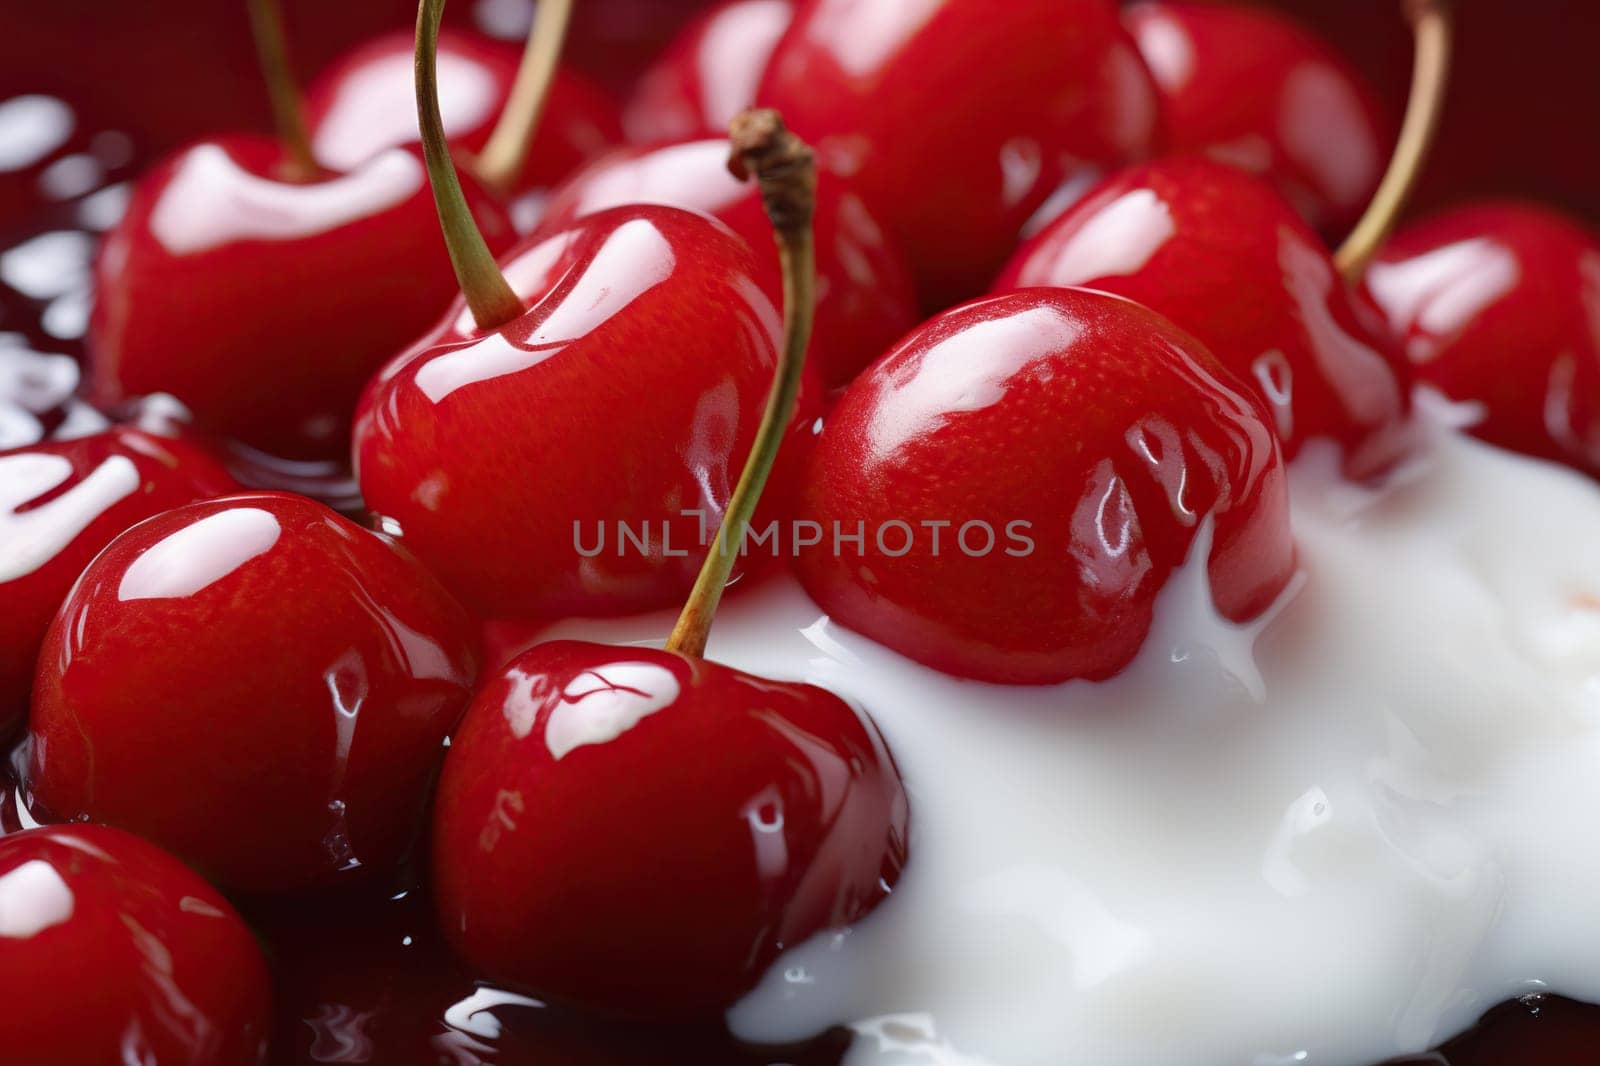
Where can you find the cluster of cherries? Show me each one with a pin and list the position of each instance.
(1130, 320)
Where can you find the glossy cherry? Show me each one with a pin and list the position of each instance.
(1028, 471)
(1498, 305)
(60, 503)
(956, 119)
(708, 74)
(864, 302)
(264, 303)
(1223, 256)
(113, 951)
(365, 103)
(1251, 87)
(256, 684)
(640, 832)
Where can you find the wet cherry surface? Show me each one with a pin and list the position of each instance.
(1223, 256)
(1080, 482)
(760, 814)
(60, 503)
(113, 951)
(643, 361)
(256, 684)
(222, 251)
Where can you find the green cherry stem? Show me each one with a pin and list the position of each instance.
(785, 168)
(1430, 76)
(500, 163)
(488, 294)
(266, 23)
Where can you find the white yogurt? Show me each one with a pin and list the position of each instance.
(1334, 837)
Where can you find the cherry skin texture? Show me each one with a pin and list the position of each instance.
(116, 952)
(709, 73)
(256, 684)
(366, 103)
(1498, 304)
(263, 304)
(629, 392)
(1224, 257)
(60, 503)
(1255, 89)
(1112, 434)
(956, 119)
(864, 298)
(640, 833)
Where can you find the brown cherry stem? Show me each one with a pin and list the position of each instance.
(488, 294)
(1431, 26)
(500, 163)
(266, 23)
(785, 168)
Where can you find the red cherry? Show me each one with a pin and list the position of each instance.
(265, 304)
(1498, 304)
(1107, 433)
(60, 503)
(366, 103)
(256, 684)
(759, 813)
(709, 73)
(626, 393)
(1038, 90)
(115, 952)
(864, 303)
(1223, 256)
(1255, 89)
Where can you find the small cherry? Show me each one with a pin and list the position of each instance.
(256, 684)
(864, 296)
(60, 503)
(708, 74)
(523, 125)
(1028, 471)
(112, 951)
(263, 292)
(1251, 87)
(957, 119)
(1498, 305)
(610, 377)
(640, 832)
(1226, 258)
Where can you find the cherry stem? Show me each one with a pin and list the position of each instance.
(266, 23)
(501, 162)
(488, 294)
(785, 168)
(1430, 75)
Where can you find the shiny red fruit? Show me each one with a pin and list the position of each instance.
(115, 952)
(366, 102)
(864, 297)
(640, 833)
(1027, 472)
(515, 461)
(256, 684)
(1224, 257)
(1255, 89)
(708, 74)
(1498, 305)
(60, 503)
(265, 304)
(956, 119)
